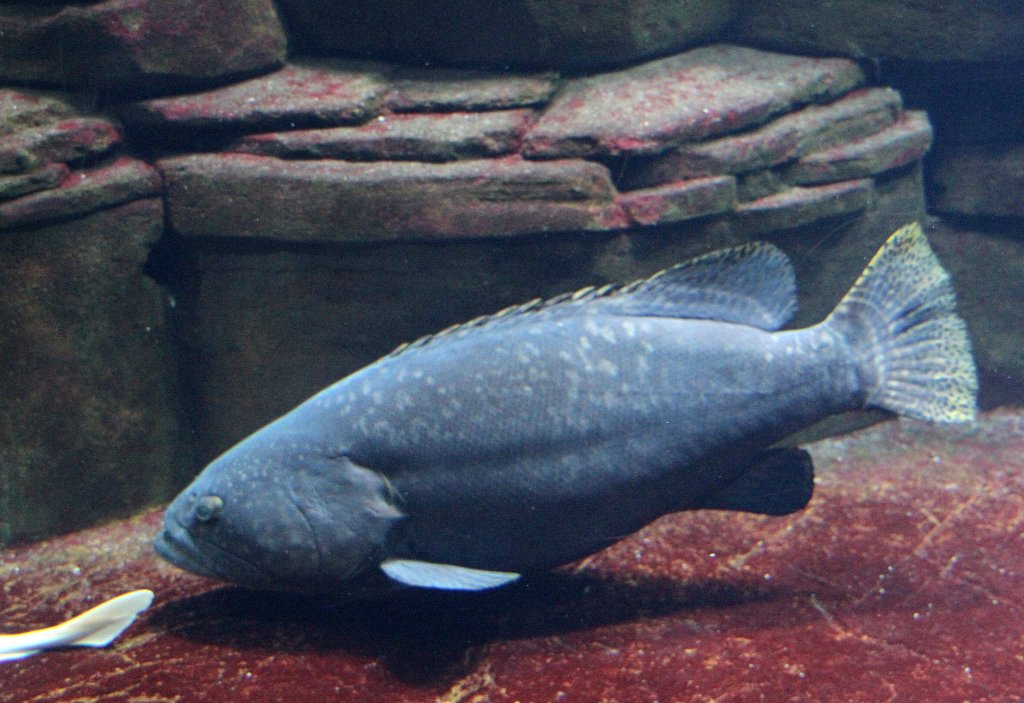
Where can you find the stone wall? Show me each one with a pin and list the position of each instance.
(199, 228)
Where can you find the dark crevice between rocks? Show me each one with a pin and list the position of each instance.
(110, 94)
(967, 103)
(172, 265)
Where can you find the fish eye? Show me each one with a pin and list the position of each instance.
(208, 508)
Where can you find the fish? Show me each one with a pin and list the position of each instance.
(525, 440)
(96, 627)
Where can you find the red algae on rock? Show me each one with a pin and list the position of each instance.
(897, 582)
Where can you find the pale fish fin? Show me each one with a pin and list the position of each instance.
(423, 574)
(96, 627)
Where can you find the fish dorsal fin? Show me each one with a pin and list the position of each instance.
(422, 574)
(752, 284)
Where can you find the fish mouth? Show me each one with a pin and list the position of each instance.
(177, 545)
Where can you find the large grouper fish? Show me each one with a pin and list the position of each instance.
(528, 439)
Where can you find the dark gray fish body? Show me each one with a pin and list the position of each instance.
(543, 434)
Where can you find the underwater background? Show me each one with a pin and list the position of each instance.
(211, 210)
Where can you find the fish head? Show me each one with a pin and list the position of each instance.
(279, 515)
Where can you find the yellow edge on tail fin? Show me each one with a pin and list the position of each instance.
(900, 319)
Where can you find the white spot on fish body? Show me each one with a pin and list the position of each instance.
(608, 368)
(603, 331)
(403, 400)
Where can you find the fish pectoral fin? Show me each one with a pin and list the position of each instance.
(96, 627)
(424, 574)
(777, 482)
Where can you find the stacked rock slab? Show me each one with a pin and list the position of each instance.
(281, 189)
(114, 45)
(89, 421)
(772, 141)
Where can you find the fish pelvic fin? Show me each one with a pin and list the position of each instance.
(900, 321)
(779, 481)
(449, 577)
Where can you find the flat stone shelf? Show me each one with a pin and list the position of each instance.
(363, 151)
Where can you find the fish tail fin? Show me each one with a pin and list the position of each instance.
(901, 323)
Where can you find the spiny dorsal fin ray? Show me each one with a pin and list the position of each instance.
(752, 284)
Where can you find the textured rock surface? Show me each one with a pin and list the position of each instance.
(139, 44)
(297, 95)
(66, 140)
(800, 206)
(81, 192)
(904, 142)
(980, 179)
(535, 33)
(52, 162)
(898, 582)
(965, 30)
(42, 178)
(255, 196)
(682, 200)
(854, 116)
(645, 129)
(442, 89)
(688, 97)
(88, 420)
(414, 137)
(22, 109)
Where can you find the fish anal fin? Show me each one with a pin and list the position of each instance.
(778, 482)
(422, 574)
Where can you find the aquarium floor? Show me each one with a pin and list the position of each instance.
(901, 581)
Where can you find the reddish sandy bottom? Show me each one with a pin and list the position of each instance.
(901, 582)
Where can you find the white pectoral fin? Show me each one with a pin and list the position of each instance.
(423, 574)
(96, 627)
